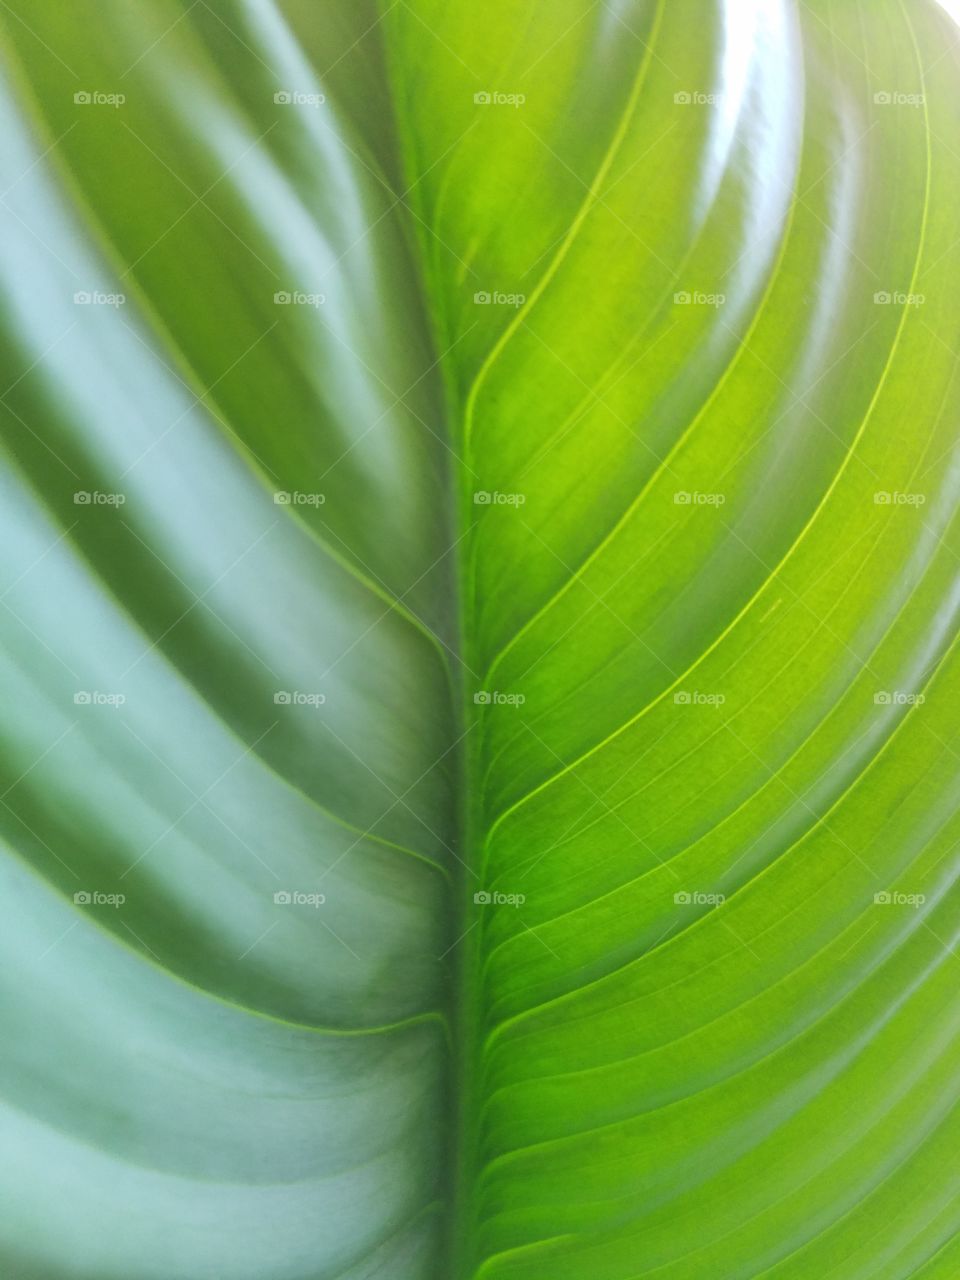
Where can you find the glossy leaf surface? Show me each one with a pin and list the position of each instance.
(479, 775)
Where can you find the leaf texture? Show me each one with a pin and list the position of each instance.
(479, 776)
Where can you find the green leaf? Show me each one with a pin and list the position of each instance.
(479, 788)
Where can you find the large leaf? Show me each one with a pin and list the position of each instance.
(479, 789)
